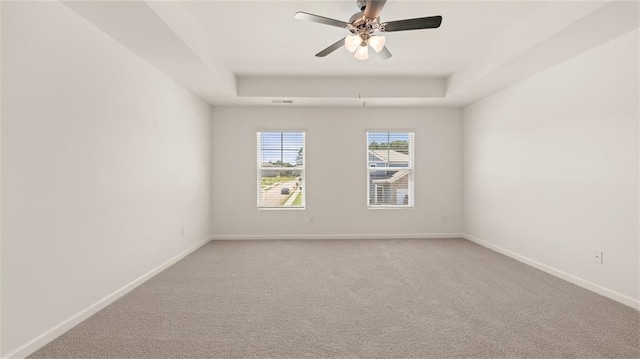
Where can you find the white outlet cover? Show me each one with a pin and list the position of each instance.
(597, 256)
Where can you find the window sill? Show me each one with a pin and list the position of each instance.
(390, 207)
(281, 208)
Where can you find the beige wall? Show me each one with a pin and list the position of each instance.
(336, 177)
(104, 160)
(551, 168)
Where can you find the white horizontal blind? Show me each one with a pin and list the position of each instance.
(390, 181)
(281, 170)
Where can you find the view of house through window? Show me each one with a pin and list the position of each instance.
(281, 170)
(390, 169)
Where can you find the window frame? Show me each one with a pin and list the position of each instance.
(259, 167)
(410, 168)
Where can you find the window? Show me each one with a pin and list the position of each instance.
(390, 169)
(281, 170)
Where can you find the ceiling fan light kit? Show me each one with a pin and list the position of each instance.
(362, 53)
(377, 42)
(365, 25)
(358, 45)
(352, 42)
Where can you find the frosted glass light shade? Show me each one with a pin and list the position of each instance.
(362, 53)
(352, 42)
(377, 42)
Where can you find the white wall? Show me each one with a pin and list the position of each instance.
(104, 159)
(336, 173)
(551, 168)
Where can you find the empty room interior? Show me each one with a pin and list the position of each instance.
(319, 179)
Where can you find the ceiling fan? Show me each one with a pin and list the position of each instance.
(364, 26)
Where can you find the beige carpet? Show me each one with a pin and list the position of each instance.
(433, 298)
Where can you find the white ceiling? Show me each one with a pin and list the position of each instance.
(251, 52)
(263, 38)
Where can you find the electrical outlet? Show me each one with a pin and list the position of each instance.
(597, 256)
(311, 220)
(444, 219)
(182, 232)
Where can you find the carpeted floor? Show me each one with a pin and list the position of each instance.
(433, 298)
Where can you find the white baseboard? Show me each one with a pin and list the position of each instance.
(618, 297)
(49, 335)
(333, 236)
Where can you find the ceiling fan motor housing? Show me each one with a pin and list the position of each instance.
(358, 25)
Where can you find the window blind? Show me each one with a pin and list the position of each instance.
(281, 170)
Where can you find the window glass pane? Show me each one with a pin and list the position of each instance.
(388, 149)
(269, 157)
(292, 141)
(282, 148)
(281, 188)
(390, 188)
(280, 169)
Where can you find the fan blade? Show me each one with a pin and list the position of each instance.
(431, 22)
(320, 19)
(338, 44)
(373, 8)
(385, 54)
